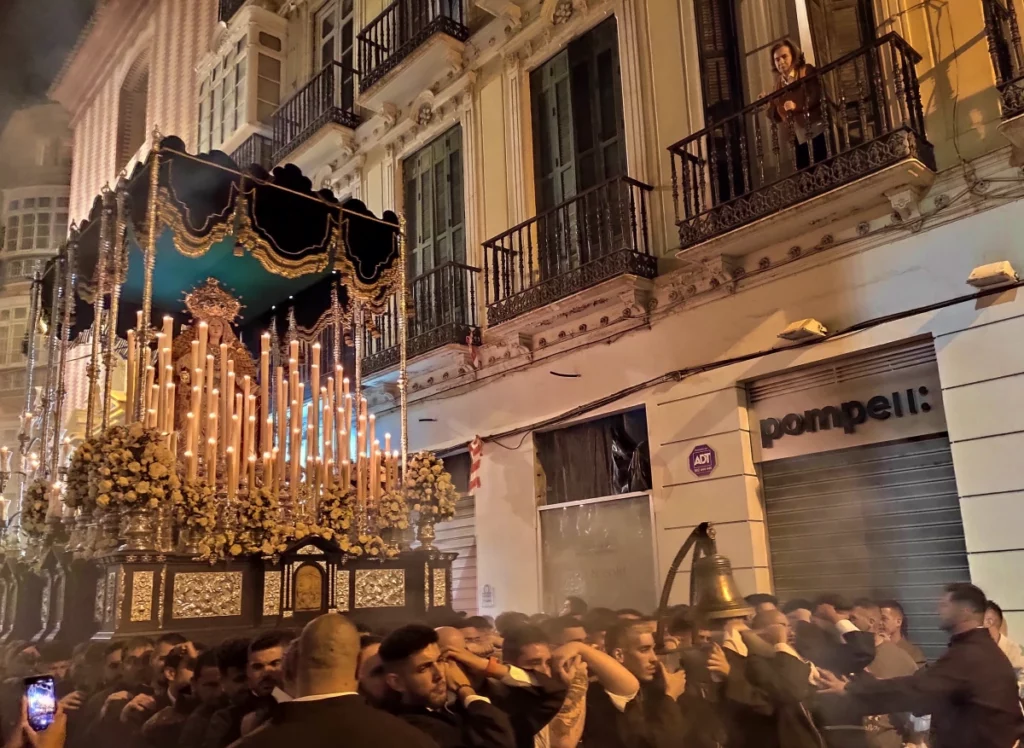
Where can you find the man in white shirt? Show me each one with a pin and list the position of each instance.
(994, 624)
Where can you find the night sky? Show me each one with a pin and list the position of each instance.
(35, 37)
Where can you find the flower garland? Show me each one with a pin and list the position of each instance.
(35, 507)
(429, 488)
(370, 546)
(393, 511)
(134, 468)
(335, 509)
(196, 508)
(80, 475)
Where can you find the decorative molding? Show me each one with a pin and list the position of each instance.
(341, 587)
(309, 550)
(506, 10)
(440, 587)
(271, 592)
(206, 594)
(905, 203)
(380, 588)
(141, 606)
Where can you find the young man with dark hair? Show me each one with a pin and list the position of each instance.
(370, 672)
(215, 669)
(565, 629)
(477, 632)
(326, 710)
(424, 683)
(510, 620)
(574, 606)
(970, 691)
(762, 601)
(55, 657)
(632, 705)
(264, 672)
(846, 650)
(894, 627)
(530, 700)
(1010, 648)
(163, 729)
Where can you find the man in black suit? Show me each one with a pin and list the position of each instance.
(423, 681)
(328, 711)
(970, 691)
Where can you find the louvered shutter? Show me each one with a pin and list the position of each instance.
(552, 118)
(881, 521)
(719, 58)
(459, 535)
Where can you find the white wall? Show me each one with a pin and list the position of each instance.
(979, 364)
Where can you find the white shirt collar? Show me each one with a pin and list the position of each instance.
(323, 696)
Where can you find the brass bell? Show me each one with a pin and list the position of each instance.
(714, 591)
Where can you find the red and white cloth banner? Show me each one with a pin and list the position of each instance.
(476, 450)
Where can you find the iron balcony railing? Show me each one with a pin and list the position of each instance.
(442, 309)
(226, 9)
(599, 234)
(399, 29)
(750, 165)
(1004, 46)
(328, 97)
(256, 149)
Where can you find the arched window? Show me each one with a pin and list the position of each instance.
(131, 111)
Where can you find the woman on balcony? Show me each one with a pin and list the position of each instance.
(800, 107)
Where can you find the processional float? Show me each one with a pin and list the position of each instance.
(200, 455)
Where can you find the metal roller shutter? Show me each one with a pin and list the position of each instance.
(459, 535)
(879, 521)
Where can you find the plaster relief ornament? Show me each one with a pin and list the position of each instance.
(425, 115)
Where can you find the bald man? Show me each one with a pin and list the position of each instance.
(327, 710)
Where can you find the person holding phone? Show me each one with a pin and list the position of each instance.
(42, 722)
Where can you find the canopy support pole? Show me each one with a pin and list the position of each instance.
(147, 282)
(403, 368)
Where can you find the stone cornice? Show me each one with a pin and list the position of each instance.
(97, 49)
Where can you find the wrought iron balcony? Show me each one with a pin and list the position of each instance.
(442, 307)
(402, 27)
(1004, 46)
(328, 97)
(226, 9)
(864, 115)
(599, 234)
(256, 149)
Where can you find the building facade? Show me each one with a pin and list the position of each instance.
(612, 216)
(35, 149)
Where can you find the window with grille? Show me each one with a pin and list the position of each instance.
(12, 332)
(434, 204)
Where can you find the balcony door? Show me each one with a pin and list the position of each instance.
(335, 30)
(579, 143)
(838, 29)
(435, 210)
(718, 45)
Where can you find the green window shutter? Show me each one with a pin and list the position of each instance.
(717, 37)
(555, 156)
(434, 197)
(598, 124)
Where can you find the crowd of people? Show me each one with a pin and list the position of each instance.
(821, 674)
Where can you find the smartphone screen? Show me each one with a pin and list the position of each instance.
(41, 697)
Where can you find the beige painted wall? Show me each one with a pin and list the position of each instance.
(977, 363)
